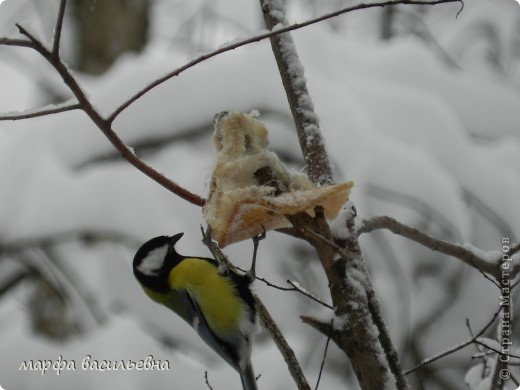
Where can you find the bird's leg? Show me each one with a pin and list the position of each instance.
(256, 240)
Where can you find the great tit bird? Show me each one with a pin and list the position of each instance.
(214, 300)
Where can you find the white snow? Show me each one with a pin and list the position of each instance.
(435, 147)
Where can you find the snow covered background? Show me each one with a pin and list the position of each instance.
(426, 125)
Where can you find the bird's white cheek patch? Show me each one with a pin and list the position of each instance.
(153, 262)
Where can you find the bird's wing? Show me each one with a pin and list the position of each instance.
(188, 309)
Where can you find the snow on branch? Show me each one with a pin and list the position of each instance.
(30, 43)
(83, 103)
(486, 262)
(69, 105)
(280, 29)
(302, 108)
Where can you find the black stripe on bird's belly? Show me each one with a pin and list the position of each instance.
(242, 283)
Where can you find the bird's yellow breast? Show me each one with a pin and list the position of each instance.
(214, 293)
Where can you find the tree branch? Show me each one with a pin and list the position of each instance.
(261, 37)
(16, 42)
(103, 124)
(460, 252)
(54, 109)
(455, 348)
(373, 356)
(57, 29)
(291, 71)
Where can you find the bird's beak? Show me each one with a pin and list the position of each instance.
(174, 239)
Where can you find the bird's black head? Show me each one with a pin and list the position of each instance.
(154, 261)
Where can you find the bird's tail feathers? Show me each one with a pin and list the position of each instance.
(248, 379)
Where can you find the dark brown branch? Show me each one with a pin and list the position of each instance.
(206, 379)
(308, 295)
(324, 358)
(40, 112)
(16, 42)
(455, 348)
(57, 30)
(105, 125)
(435, 244)
(261, 37)
(295, 287)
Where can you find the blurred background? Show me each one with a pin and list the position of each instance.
(418, 107)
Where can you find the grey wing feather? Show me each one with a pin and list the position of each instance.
(188, 309)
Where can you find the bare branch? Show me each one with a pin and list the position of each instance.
(324, 358)
(40, 112)
(105, 125)
(460, 252)
(206, 379)
(16, 42)
(455, 348)
(57, 29)
(491, 348)
(308, 295)
(35, 42)
(261, 37)
(295, 287)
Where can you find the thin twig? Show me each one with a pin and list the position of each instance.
(207, 380)
(105, 125)
(16, 42)
(263, 36)
(324, 357)
(309, 234)
(35, 42)
(309, 295)
(294, 287)
(491, 348)
(57, 30)
(479, 348)
(460, 252)
(39, 112)
(455, 348)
